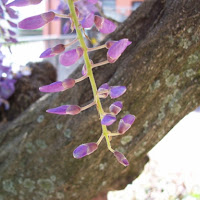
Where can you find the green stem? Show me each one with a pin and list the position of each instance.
(89, 69)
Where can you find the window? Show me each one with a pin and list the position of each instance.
(136, 4)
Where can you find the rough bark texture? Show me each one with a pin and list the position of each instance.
(162, 75)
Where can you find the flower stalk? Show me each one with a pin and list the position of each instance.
(89, 69)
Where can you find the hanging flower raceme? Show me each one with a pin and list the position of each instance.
(81, 15)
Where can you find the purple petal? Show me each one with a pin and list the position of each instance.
(70, 57)
(117, 49)
(58, 86)
(92, 1)
(117, 91)
(116, 107)
(121, 158)
(66, 109)
(108, 119)
(12, 24)
(21, 3)
(88, 21)
(103, 90)
(47, 53)
(12, 13)
(85, 150)
(104, 25)
(53, 51)
(36, 21)
(66, 27)
(125, 123)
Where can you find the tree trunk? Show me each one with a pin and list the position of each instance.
(162, 75)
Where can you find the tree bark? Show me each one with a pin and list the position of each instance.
(162, 74)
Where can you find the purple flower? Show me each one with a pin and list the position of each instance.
(103, 90)
(117, 49)
(65, 110)
(66, 27)
(108, 119)
(125, 123)
(121, 158)
(12, 13)
(116, 107)
(37, 21)
(104, 25)
(117, 91)
(58, 86)
(53, 51)
(12, 24)
(85, 150)
(21, 3)
(88, 21)
(70, 57)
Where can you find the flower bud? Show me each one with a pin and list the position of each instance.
(117, 91)
(53, 51)
(65, 110)
(125, 123)
(117, 49)
(104, 25)
(36, 21)
(88, 21)
(116, 107)
(84, 69)
(121, 158)
(70, 57)
(85, 150)
(21, 3)
(58, 86)
(103, 90)
(108, 119)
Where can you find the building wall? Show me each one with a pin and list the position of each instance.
(125, 6)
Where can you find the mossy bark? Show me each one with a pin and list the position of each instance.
(162, 74)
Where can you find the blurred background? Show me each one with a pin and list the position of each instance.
(173, 172)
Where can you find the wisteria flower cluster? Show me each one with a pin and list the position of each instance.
(7, 26)
(79, 21)
(7, 82)
(7, 34)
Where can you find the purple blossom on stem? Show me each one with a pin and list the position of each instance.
(104, 25)
(85, 150)
(53, 51)
(65, 110)
(116, 107)
(125, 123)
(117, 49)
(70, 57)
(58, 86)
(104, 90)
(117, 91)
(121, 158)
(21, 3)
(88, 21)
(108, 119)
(36, 21)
